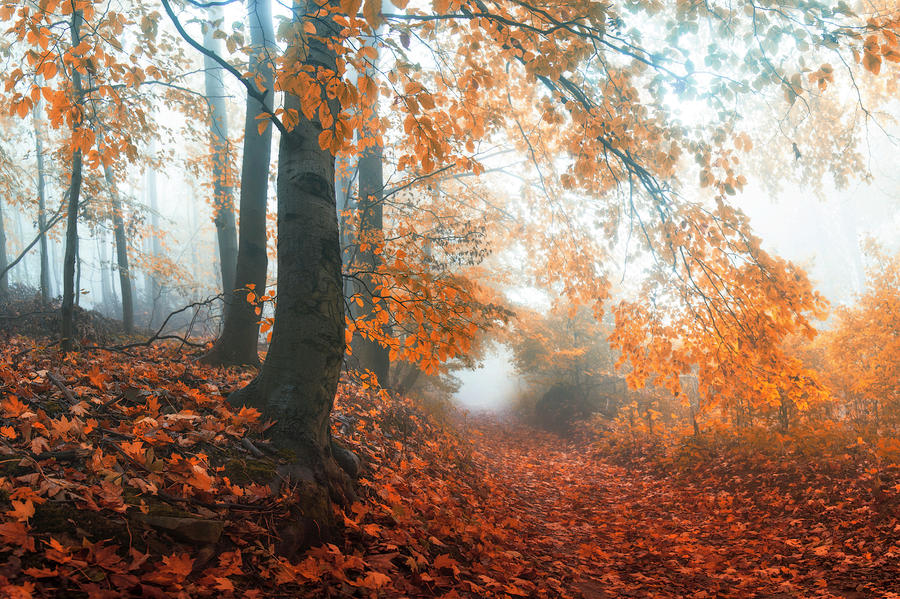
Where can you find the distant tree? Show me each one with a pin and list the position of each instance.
(862, 349)
(237, 344)
(220, 152)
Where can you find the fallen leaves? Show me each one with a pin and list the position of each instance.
(488, 510)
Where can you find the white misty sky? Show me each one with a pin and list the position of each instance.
(491, 387)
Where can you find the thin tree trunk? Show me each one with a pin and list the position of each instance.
(121, 253)
(54, 268)
(4, 278)
(155, 287)
(42, 207)
(105, 287)
(223, 202)
(345, 201)
(66, 341)
(77, 272)
(240, 334)
(297, 383)
(23, 276)
(372, 354)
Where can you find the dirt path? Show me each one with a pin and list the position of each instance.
(630, 533)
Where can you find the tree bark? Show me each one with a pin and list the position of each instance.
(42, 208)
(77, 272)
(223, 202)
(121, 253)
(154, 288)
(105, 287)
(23, 274)
(66, 341)
(4, 277)
(372, 354)
(240, 334)
(297, 383)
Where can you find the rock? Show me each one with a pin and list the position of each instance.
(196, 530)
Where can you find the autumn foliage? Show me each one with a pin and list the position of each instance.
(126, 475)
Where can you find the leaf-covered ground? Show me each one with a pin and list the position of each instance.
(127, 475)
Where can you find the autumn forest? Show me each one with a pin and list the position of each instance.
(450, 298)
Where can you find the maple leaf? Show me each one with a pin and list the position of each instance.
(12, 407)
(97, 377)
(179, 565)
(134, 449)
(21, 510)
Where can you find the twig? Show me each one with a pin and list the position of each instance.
(63, 388)
(249, 446)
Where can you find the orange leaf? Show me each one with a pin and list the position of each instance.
(21, 510)
(374, 580)
(372, 13)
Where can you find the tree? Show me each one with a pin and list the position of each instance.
(237, 344)
(862, 349)
(222, 199)
(4, 279)
(296, 384)
(42, 206)
(126, 283)
(732, 299)
(74, 192)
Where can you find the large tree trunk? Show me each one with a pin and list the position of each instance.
(66, 342)
(297, 383)
(240, 334)
(4, 277)
(121, 253)
(223, 202)
(42, 208)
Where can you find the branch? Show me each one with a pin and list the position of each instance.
(158, 336)
(49, 225)
(252, 91)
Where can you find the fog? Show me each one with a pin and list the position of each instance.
(493, 386)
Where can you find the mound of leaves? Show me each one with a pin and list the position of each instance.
(25, 314)
(129, 475)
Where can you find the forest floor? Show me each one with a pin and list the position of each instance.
(741, 525)
(126, 474)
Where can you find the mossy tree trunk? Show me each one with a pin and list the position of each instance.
(297, 383)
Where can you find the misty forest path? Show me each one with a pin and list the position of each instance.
(611, 531)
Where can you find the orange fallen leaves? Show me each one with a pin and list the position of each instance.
(514, 514)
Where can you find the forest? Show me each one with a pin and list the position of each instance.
(257, 258)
